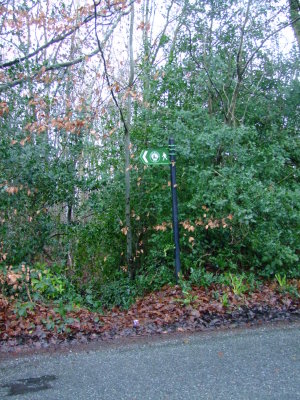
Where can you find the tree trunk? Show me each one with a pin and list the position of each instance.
(231, 118)
(294, 6)
(127, 150)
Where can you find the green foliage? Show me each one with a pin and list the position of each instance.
(281, 280)
(225, 300)
(61, 308)
(246, 179)
(123, 291)
(120, 292)
(186, 289)
(154, 279)
(59, 323)
(91, 300)
(253, 281)
(292, 290)
(286, 286)
(201, 277)
(49, 283)
(62, 165)
(21, 308)
(237, 283)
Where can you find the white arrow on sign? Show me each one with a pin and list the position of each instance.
(144, 156)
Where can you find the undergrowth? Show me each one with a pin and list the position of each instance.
(26, 286)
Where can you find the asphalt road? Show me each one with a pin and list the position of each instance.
(260, 363)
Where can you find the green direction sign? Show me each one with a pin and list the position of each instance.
(155, 156)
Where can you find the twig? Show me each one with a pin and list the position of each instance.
(106, 72)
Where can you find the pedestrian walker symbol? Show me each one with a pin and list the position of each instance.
(158, 156)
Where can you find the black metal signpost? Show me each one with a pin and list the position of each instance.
(159, 156)
(172, 153)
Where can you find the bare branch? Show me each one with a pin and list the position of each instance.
(265, 40)
(53, 67)
(45, 46)
(62, 65)
(208, 75)
(239, 54)
(106, 72)
(55, 40)
(163, 32)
